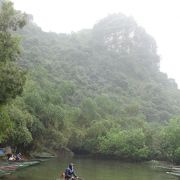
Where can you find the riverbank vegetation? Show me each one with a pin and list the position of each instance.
(97, 91)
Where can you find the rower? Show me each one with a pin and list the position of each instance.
(69, 173)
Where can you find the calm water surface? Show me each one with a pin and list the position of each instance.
(91, 169)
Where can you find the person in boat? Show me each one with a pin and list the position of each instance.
(69, 173)
(18, 157)
(8, 152)
(12, 158)
(8, 156)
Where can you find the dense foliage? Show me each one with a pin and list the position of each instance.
(96, 91)
(12, 77)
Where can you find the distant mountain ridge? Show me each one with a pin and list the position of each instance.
(116, 57)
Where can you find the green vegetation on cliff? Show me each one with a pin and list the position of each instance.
(97, 91)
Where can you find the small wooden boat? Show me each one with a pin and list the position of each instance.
(8, 168)
(165, 168)
(4, 173)
(73, 178)
(176, 169)
(168, 168)
(18, 164)
(43, 155)
(42, 159)
(174, 173)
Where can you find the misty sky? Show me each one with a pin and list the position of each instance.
(160, 18)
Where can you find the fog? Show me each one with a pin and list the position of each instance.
(160, 18)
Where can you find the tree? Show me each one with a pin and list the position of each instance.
(170, 144)
(12, 77)
(125, 144)
(5, 124)
(88, 112)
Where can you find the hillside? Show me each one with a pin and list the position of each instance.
(97, 91)
(117, 58)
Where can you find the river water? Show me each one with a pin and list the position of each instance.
(91, 169)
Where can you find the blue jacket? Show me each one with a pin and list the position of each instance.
(69, 172)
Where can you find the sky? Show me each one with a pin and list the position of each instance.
(160, 18)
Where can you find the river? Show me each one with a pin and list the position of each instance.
(91, 169)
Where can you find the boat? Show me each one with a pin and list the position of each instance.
(174, 173)
(43, 155)
(4, 173)
(8, 168)
(165, 168)
(24, 164)
(176, 169)
(42, 159)
(17, 164)
(168, 168)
